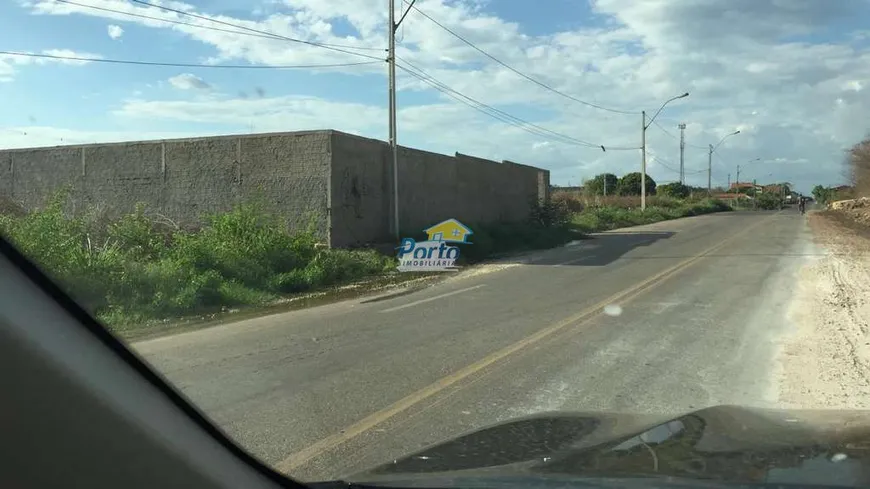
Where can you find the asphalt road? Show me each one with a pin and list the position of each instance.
(657, 319)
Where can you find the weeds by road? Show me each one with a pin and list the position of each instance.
(132, 270)
(607, 217)
(140, 272)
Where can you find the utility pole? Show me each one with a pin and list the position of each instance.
(605, 184)
(392, 28)
(394, 150)
(682, 127)
(754, 195)
(643, 161)
(710, 171)
(729, 182)
(738, 175)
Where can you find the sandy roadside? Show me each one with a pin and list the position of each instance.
(825, 362)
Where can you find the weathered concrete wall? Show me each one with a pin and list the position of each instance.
(182, 179)
(339, 183)
(432, 187)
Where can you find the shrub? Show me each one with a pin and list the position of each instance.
(630, 184)
(675, 190)
(768, 201)
(549, 214)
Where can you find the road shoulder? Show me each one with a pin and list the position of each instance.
(825, 361)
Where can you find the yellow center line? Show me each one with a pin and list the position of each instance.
(302, 457)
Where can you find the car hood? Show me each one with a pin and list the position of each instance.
(725, 444)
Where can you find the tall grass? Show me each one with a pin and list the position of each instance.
(578, 202)
(607, 217)
(138, 268)
(133, 269)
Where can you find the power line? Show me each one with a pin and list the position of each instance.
(497, 113)
(187, 65)
(511, 68)
(663, 129)
(659, 161)
(200, 26)
(493, 112)
(170, 21)
(341, 48)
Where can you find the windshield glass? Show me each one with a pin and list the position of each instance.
(348, 231)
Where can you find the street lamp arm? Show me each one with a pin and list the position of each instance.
(723, 140)
(663, 106)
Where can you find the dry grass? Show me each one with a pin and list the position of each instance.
(576, 202)
(859, 167)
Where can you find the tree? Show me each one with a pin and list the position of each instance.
(675, 189)
(769, 201)
(821, 194)
(596, 185)
(859, 167)
(629, 184)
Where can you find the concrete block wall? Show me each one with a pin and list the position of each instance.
(432, 187)
(340, 184)
(183, 179)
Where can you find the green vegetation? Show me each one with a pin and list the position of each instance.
(133, 269)
(607, 217)
(630, 184)
(769, 201)
(596, 186)
(674, 190)
(137, 269)
(824, 195)
(549, 225)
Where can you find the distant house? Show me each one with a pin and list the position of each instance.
(731, 196)
(450, 230)
(566, 189)
(773, 189)
(740, 185)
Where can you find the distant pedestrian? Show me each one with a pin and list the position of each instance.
(802, 205)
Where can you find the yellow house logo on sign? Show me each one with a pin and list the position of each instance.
(434, 254)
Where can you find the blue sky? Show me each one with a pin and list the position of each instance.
(791, 76)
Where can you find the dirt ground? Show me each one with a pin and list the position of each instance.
(826, 362)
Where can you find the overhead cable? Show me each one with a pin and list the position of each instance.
(341, 48)
(518, 72)
(499, 114)
(188, 65)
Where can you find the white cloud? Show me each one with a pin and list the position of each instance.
(285, 113)
(188, 81)
(748, 64)
(115, 31)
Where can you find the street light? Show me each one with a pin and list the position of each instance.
(710, 160)
(645, 125)
(738, 169)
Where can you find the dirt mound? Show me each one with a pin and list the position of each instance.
(856, 209)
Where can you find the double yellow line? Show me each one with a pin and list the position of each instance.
(302, 457)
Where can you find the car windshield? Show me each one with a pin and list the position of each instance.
(348, 231)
